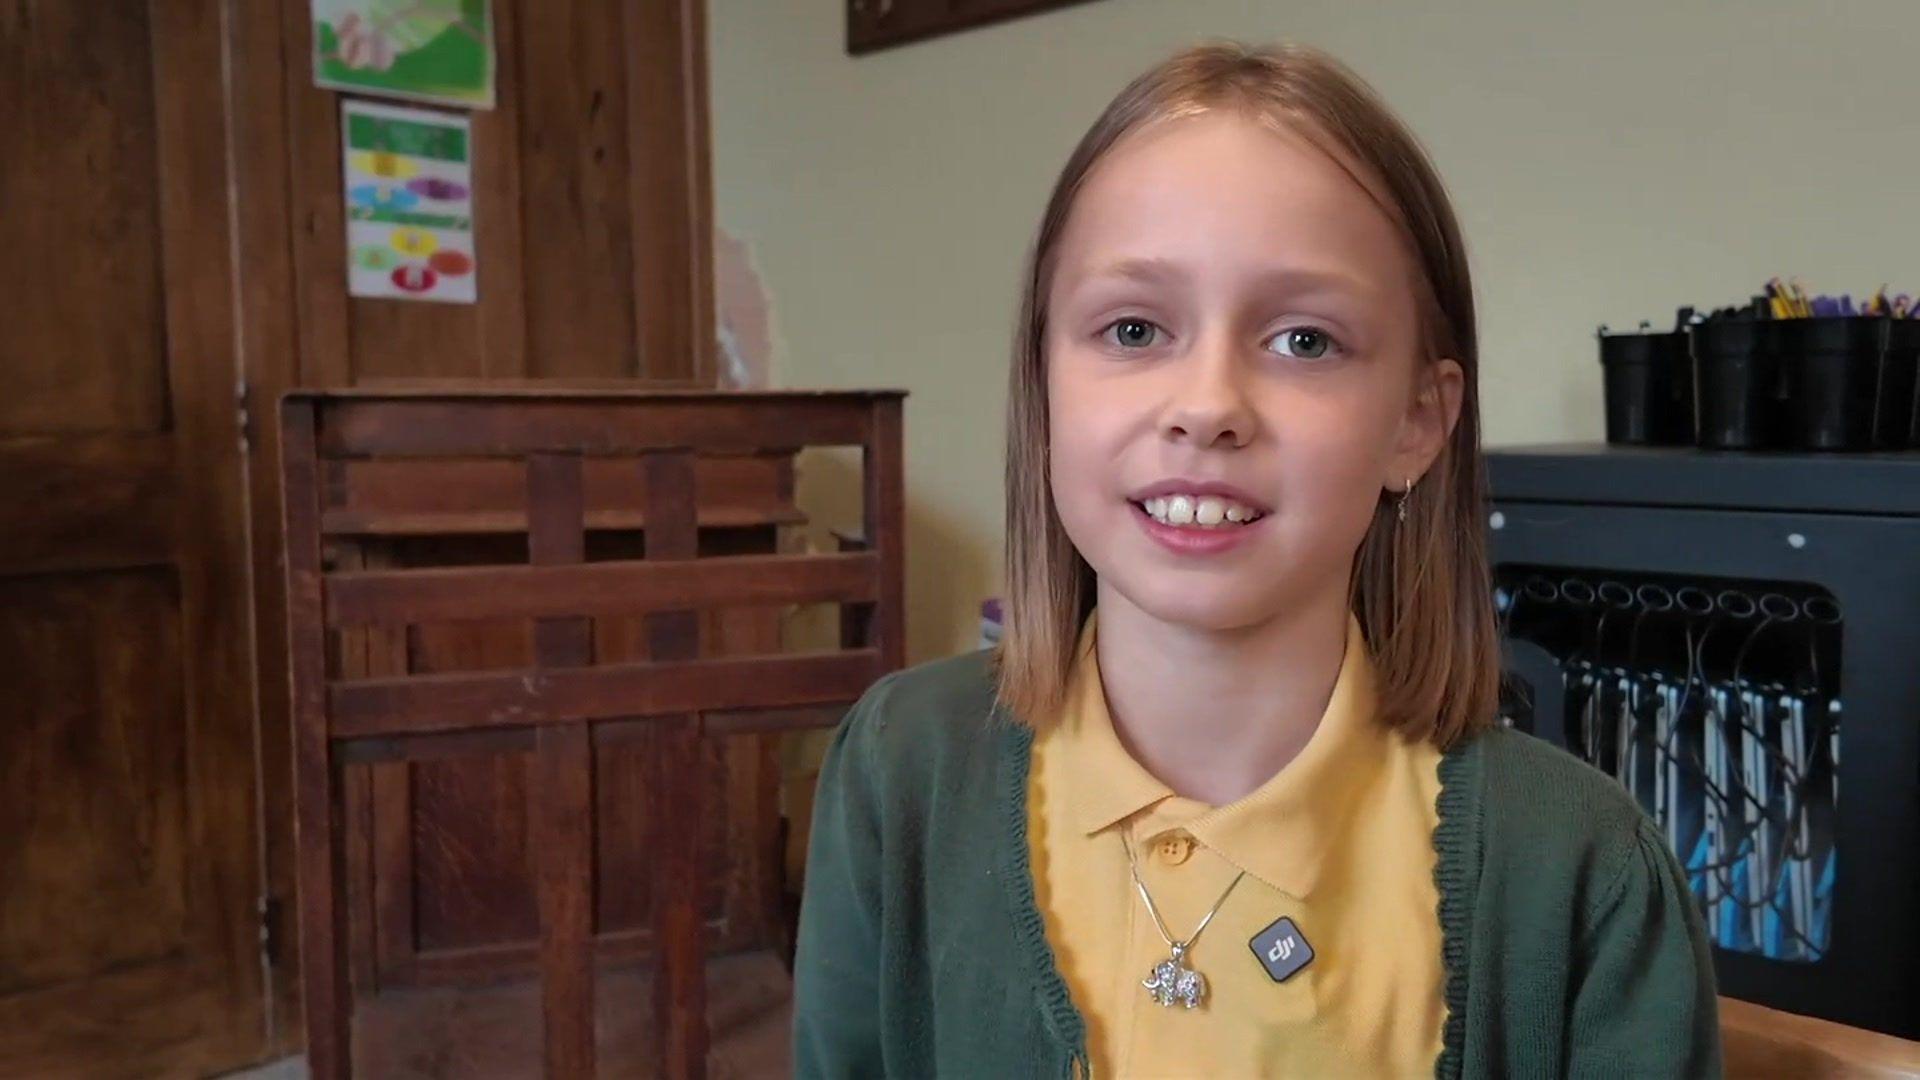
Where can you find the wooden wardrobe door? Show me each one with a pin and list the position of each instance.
(129, 862)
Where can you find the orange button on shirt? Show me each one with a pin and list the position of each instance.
(1340, 841)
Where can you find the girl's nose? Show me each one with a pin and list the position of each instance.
(1208, 405)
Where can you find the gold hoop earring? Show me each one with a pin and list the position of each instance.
(1401, 511)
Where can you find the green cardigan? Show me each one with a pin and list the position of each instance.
(1572, 944)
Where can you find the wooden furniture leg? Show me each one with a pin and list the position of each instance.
(327, 998)
(679, 782)
(562, 792)
(563, 838)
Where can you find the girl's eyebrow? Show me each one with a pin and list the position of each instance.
(1292, 279)
(1301, 279)
(1147, 271)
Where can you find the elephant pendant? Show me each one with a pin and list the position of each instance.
(1173, 982)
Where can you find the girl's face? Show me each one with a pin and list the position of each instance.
(1233, 372)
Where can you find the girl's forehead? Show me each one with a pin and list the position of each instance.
(1221, 185)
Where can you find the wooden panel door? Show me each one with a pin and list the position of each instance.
(592, 209)
(129, 866)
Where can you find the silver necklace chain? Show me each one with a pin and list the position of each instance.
(1171, 980)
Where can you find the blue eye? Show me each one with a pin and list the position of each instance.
(1130, 333)
(1302, 342)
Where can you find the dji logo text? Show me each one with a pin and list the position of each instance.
(1282, 949)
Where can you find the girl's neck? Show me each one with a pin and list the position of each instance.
(1214, 715)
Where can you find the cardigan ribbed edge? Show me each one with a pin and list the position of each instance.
(1016, 872)
(1456, 842)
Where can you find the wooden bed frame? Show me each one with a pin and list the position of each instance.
(568, 703)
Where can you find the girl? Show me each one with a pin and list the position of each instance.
(1228, 800)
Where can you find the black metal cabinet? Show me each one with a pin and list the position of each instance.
(1736, 637)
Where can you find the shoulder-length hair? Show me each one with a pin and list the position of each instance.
(1420, 588)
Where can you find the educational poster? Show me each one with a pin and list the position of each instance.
(424, 50)
(409, 176)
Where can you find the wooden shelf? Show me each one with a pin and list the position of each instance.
(1759, 1041)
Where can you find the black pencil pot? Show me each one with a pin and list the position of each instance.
(1738, 396)
(1648, 385)
(1833, 372)
(1899, 410)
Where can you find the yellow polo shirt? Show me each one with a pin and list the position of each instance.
(1339, 841)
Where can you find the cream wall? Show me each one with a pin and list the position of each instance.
(1611, 160)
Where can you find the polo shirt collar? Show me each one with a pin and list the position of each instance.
(1282, 831)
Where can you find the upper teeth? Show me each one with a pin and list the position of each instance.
(1207, 511)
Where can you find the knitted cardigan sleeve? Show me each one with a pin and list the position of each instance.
(837, 964)
(1644, 1003)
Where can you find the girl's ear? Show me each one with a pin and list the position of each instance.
(1432, 411)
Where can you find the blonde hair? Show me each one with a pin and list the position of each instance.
(1420, 588)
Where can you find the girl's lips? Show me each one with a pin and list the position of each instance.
(1192, 539)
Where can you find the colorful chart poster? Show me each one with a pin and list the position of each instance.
(409, 175)
(424, 50)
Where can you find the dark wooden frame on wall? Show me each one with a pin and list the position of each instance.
(881, 24)
(566, 705)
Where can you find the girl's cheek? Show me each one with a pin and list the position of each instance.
(1334, 469)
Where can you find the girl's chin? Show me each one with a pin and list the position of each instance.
(1213, 607)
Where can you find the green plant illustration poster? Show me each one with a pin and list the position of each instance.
(438, 51)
